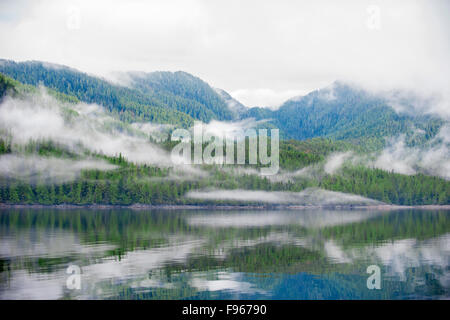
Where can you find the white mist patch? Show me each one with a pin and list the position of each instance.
(418, 101)
(398, 158)
(335, 162)
(285, 176)
(82, 126)
(432, 160)
(42, 169)
(222, 128)
(264, 97)
(157, 131)
(328, 93)
(309, 196)
(226, 282)
(86, 126)
(43, 118)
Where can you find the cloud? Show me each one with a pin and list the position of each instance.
(261, 50)
(310, 196)
(335, 161)
(417, 102)
(328, 93)
(34, 169)
(264, 97)
(159, 132)
(86, 127)
(433, 159)
(226, 281)
(42, 117)
(221, 128)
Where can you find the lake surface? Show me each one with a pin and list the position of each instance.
(204, 254)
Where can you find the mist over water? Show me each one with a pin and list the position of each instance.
(308, 254)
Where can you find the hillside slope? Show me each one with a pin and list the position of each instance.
(342, 112)
(162, 97)
(338, 112)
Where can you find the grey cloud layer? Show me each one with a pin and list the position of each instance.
(260, 50)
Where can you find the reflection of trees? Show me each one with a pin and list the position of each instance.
(268, 253)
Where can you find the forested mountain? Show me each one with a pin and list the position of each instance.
(237, 108)
(339, 112)
(128, 182)
(184, 92)
(163, 97)
(343, 112)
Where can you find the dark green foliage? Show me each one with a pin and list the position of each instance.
(132, 183)
(7, 86)
(184, 92)
(47, 148)
(390, 187)
(5, 146)
(129, 104)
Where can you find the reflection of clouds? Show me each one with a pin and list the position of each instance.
(46, 243)
(335, 253)
(135, 265)
(151, 283)
(141, 261)
(144, 270)
(307, 218)
(131, 267)
(398, 256)
(402, 254)
(225, 281)
(33, 286)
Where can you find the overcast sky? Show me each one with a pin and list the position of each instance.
(262, 52)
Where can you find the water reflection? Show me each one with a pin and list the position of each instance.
(320, 254)
(307, 218)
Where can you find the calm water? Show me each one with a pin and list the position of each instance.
(124, 254)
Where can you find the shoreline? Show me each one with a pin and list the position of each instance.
(168, 207)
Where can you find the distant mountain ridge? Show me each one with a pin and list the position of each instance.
(163, 97)
(237, 108)
(183, 92)
(343, 112)
(339, 112)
